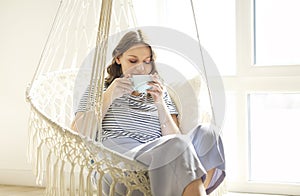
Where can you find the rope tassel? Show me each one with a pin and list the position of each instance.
(39, 165)
(62, 187)
(48, 173)
(72, 181)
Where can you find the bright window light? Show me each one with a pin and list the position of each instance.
(274, 137)
(216, 22)
(276, 32)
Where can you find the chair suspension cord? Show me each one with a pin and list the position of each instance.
(45, 46)
(203, 62)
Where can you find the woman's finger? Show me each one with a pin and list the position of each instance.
(155, 86)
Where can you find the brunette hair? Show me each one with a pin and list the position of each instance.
(129, 40)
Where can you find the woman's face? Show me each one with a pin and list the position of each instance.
(136, 60)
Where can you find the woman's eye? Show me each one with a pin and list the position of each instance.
(132, 61)
(147, 62)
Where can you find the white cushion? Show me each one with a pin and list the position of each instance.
(190, 97)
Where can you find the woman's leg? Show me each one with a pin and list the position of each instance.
(195, 188)
(209, 148)
(209, 177)
(173, 167)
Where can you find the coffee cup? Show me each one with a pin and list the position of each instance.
(140, 82)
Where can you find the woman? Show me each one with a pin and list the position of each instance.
(145, 127)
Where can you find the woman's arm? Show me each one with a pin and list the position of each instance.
(174, 117)
(85, 123)
(169, 123)
(118, 88)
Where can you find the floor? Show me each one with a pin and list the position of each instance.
(20, 191)
(6, 190)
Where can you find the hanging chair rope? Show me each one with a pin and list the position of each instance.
(98, 69)
(213, 120)
(99, 61)
(44, 49)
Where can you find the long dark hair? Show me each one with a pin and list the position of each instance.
(129, 40)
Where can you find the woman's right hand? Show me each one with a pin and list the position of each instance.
(119, 87)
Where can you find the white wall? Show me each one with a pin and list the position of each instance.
(24, 26)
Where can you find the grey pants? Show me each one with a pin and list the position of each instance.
(176, 160)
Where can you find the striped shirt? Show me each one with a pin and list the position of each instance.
(132, 116)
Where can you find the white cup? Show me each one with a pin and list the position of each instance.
(140, 82)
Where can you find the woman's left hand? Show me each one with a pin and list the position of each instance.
(156, 90)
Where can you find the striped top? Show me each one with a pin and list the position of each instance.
(132, 116)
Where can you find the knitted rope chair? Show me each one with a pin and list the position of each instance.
(70, 160)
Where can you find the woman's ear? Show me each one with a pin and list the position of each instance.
(118, 60)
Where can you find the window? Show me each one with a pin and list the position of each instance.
(276, 32)
(274, 137)
(266, 99)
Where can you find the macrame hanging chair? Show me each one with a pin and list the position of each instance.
(83, 33)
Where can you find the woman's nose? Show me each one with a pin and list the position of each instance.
(137, 69)
(141, 67)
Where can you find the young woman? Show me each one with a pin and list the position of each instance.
(145, 126)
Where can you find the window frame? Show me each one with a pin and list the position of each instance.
(254, 79)
(245, 46)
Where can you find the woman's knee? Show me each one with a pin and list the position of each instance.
(179, 143)
(204, 139)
